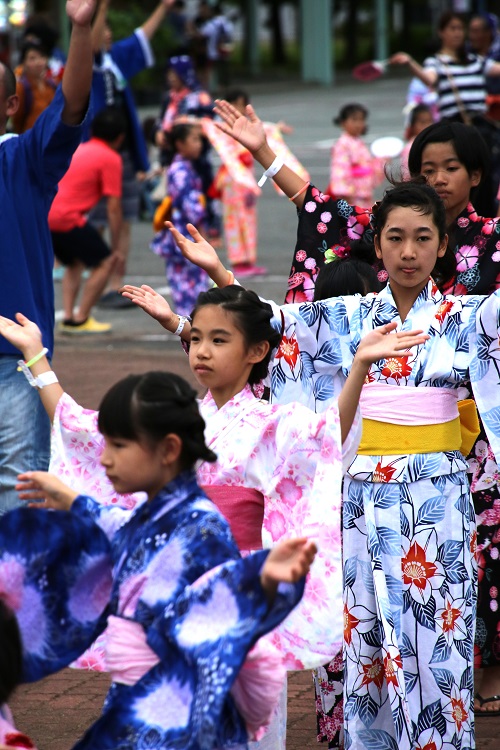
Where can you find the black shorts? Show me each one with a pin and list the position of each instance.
(81, 243)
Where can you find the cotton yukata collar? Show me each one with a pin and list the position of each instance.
(174, 493)
(235, 402)
(429, 292)
(469, 213)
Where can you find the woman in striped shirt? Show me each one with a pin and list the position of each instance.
(459, 79)
(458, 76)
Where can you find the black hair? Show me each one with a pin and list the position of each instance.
(233, 95)
(38, 29)
(152, 405)
(252, 317)
(9, 81)
(109, 124)
(33, 45)
(421, 197)
(347, 111)
(10, 653)
(469, 145)
(178, 133)
(345, 276)
(444, 20)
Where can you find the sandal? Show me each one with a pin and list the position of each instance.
(484, 701)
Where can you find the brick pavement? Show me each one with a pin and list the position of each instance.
(56, 711)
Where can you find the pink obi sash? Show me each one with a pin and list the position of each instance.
(256, 690)
(243, 508)
(359, 171)
(408, 405)
(128, 656)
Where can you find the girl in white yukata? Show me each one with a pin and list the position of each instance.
(408, 521)
(281, 470)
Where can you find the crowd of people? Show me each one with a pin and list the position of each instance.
(350, 435)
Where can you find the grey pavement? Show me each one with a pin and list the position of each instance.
(57, 710)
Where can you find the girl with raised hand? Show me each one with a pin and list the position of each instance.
(408, 523)
(184, 608)
(279, 468)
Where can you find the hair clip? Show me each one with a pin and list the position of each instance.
(336, 252)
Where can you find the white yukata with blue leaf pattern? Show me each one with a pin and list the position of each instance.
(408, 520)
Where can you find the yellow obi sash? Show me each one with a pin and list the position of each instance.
(403, 436)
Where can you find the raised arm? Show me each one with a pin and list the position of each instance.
(153, 23)
(26, 337)
(429, 77)
(158, 308)
(249, 131)
(98, 26)
(77, 77)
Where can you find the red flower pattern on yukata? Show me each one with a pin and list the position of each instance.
(396, 367)
(289, 350)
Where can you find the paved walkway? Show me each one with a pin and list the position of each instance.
(56, 711)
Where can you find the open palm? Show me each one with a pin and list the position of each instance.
(21, 334)
(246, 129)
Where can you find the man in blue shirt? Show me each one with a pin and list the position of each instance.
(31, 166)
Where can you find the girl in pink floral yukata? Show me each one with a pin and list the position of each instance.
(279, 467)
(354, 172)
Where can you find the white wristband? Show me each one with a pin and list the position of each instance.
(182, 322)
(46, 378)
(272, 170)
(40, 381)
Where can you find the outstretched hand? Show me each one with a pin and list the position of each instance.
(151, 302)
(80, 12)
(383, 342)
(23, 334)
(247, 129)
(46, 489)
(200, 252)
(287, 562)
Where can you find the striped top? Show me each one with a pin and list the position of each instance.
(469, 80)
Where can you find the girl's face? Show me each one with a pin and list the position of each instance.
(422, 121)
(219, 356)
(190, 147)
(409, 246)
(448, 176)
(355, 124)
(35, 64)
(174, 81)
(133, 466)
(453, 35)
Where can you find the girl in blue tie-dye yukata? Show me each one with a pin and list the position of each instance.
(193, 617)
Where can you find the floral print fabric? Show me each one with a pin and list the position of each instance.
(295, 459)
(324, 223)
(354, 172)
(408, 523)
